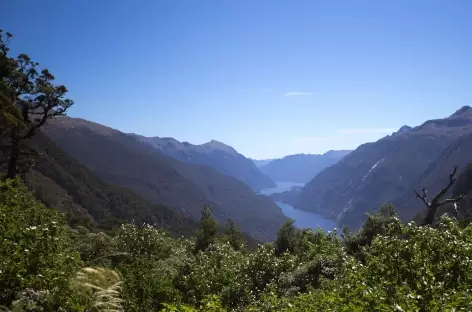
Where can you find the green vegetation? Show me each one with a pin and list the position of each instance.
(387, 266)
(28, 99)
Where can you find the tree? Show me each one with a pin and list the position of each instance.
(286, 238)
(436, 202)
(385, 220)
(28, 98)
(206, 234)
(233, 235)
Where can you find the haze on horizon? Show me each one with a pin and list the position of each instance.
(269, 78)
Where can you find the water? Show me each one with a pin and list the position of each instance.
(281, 187)
(303, 219)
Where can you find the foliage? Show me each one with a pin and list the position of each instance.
(28, 99)
(206, 234)
(152, 262)
(37, 257)
(377, 223)
(286, 238)
(233, 235)
(387, 266)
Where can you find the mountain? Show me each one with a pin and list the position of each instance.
(301, 167)
(464, 186)
(59, 181)
(123, 160)
(217, 155)
(436, 177)
(382, 171)
(261, 162)
(288, 197)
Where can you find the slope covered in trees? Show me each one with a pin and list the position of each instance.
(121, 159)
(61, 182)
(384, 171)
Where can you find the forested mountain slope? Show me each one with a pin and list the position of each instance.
(217, 155)
(381, 171)
(61, 182)
(436, 177)
(121, 159)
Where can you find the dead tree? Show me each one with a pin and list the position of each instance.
(436, 202)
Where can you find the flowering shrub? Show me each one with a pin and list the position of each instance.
(387, 266)
(36, 257)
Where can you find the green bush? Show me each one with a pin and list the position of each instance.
(386, 266)
(37, 257)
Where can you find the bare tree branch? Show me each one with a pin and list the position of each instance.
(451, 200)
(435, 202)
(423, 198)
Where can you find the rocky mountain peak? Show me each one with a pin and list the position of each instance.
(464, 110)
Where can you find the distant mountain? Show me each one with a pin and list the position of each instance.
(301, 167)
(261, 162)
(214, 154)
(288, 197)
(384, 171)
(123, 160)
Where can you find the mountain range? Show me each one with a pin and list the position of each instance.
(300, 168)
(124, 160)
(390, 169)
(217, 155)
(101, 177)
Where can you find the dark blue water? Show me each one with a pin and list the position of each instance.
(303, 219)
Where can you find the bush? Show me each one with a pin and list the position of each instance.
(37, 257)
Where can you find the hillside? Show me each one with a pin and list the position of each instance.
(61, 182)
(381, 171)
(121, 159)
(435, 177)
(301, 168)
(464, 186)
(217, 155)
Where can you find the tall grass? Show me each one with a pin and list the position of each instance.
(102, 287)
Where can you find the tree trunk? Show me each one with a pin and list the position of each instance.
(14, 155)
(430, 214)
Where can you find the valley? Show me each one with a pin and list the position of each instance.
(303, 219)
(344, 185)
(235, 156)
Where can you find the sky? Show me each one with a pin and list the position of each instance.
(268, 77)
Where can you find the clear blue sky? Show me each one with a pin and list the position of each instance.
(267, 77)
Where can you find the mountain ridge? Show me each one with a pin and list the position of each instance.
(301, 168)
(223, 158)
(123, 160)
(381, 171)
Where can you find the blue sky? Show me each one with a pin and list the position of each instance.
(268, 77)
